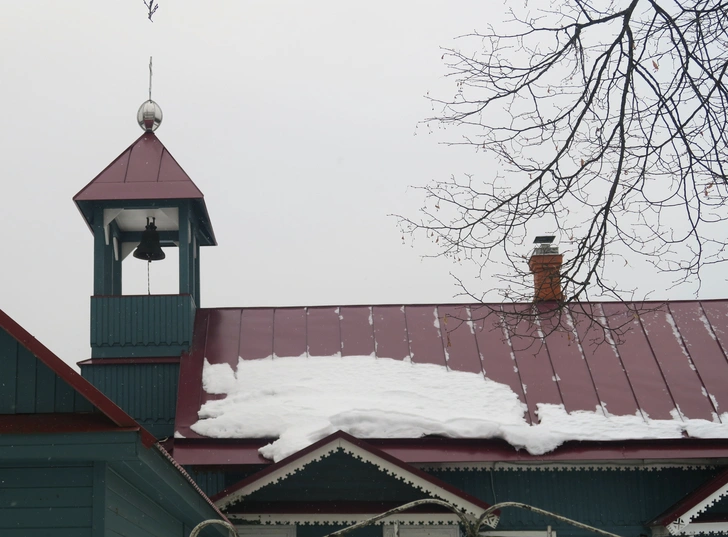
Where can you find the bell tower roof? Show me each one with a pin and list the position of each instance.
(145, 171)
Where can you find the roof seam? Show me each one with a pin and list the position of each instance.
(615, 347)
(692, 362)
(572, 324)
(507, 337)
(555, 376)
(471, 327)
(659, 367)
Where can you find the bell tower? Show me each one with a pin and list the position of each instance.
(144, 196)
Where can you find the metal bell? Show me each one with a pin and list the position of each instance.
(149, 248)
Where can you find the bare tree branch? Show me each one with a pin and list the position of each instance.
(608, 122)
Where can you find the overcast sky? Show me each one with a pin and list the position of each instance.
(297, 120)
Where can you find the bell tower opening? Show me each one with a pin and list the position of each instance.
(145, 204)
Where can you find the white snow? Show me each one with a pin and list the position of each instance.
(303, 399)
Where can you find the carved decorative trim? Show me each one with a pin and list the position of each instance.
(566, 466)
(702, 528)
(340, 519)
(342, 445)
(682, 524)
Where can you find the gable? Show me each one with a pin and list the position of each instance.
(28, 386)
(341, 479)
(705, 510)
(41, 393)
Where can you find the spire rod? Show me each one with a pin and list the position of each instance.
(150, 78)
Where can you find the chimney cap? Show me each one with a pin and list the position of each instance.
(544, 239)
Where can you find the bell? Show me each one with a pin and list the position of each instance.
(149, 248)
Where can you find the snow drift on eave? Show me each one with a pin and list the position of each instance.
(303, 399)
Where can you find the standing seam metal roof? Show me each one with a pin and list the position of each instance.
(671, 357)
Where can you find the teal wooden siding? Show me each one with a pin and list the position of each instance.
(131, 513)
(620, 501)
(129, 326)
(28, 386)
(45, 500)
(147, 392)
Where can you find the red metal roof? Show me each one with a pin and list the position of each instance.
(144, 171)
(671, 356)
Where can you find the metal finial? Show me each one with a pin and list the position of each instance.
(149, 115)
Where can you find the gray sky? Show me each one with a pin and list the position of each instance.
(297, 120)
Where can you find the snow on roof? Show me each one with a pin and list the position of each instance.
(389, 371)
(300, 400)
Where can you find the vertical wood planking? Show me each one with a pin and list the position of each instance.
(323, 333)
(256, 334)
(46, 391)
(423, 327)
(8, 372)
(25, 381)
(357, 331)
(390, 332)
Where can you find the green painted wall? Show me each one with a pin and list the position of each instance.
(147, 392)
(616, 500)
(46, 500)
(28, 386)
(619, 500)
(137, 326)
(129, 513)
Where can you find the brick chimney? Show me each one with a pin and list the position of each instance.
(545, 264)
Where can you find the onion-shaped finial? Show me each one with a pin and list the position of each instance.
(149, 116)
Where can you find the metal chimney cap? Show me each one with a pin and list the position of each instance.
(544, 239)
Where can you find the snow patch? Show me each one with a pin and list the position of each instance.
(300, 401)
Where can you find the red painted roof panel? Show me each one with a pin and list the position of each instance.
(391, 338)
(570, 366)
(676, 366)
(673, 356)
(357, 331)
(605, 366)
(256, 334)
(144, 171)
(323, 333)
(459, 339)
(289, 332)
(423, 329)
(644, 375)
